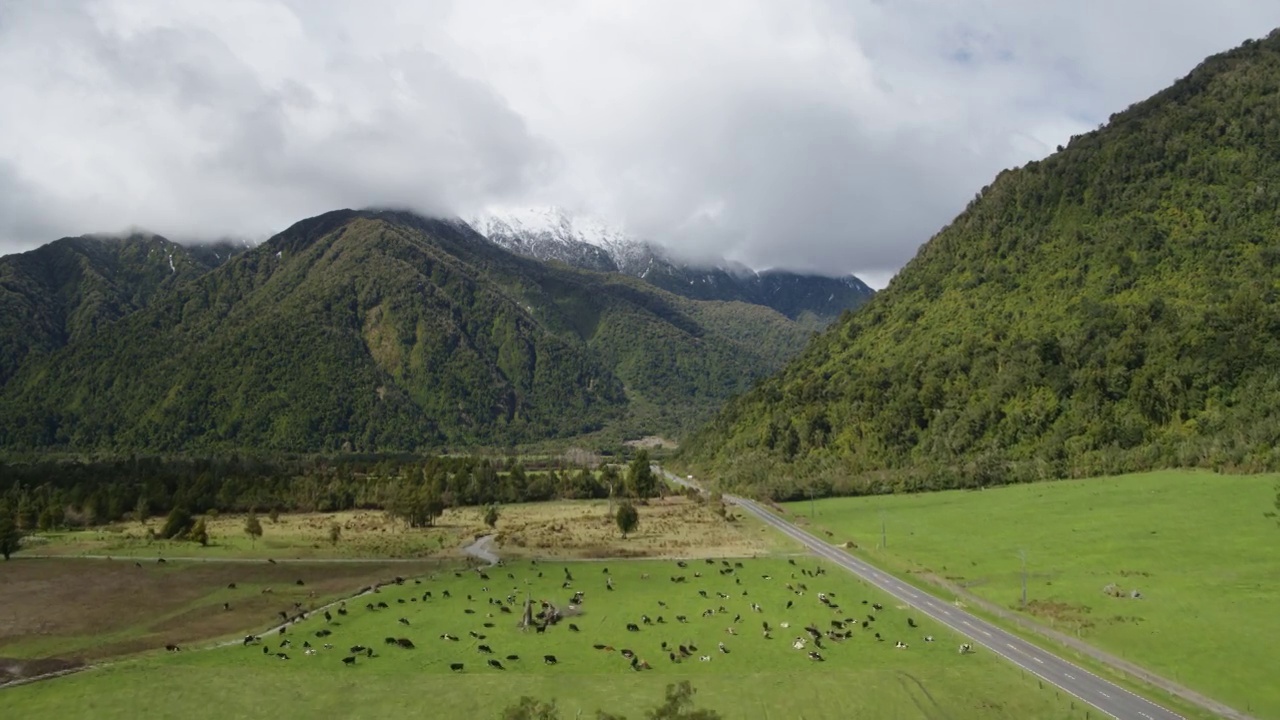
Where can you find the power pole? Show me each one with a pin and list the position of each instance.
(1023, 555)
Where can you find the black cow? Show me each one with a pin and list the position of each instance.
(496, 665)
(485, 649)
(456, 667)
(351, 660)
(549, 659)
(405, 643)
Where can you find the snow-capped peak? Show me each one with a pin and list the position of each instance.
(552, 233)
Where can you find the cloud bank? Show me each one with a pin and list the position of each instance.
(810, 135)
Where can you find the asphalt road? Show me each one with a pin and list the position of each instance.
(1102, 694)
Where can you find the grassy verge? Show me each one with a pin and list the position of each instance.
(1195, 547)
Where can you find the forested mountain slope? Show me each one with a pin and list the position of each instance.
(1112, 307)
(70, 288)
(385, 331)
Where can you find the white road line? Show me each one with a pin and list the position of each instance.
(1038, 660)
(1069, 676)
(1104, 695)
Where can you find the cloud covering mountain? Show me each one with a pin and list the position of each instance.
(819, 135)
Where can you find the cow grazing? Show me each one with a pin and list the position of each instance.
(447, 636)
(485, 649)
(496, 665)
(911, 622)
(230, 586)
(632, 627)
(403, 621)
(513, 657)
(266, 650)
(900, 645)
(877, 606)
(172, 648)
(928, 638)
(965, 649)
(389, 641)
(357, 649)
(456, 667)
(705, 658)
(349, 660)
(816, 656)
(283, 656)
(405, 643)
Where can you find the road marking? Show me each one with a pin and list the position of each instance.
(984, 632)
(1148, 717)
(1069, 676)
(946, 612)
(1104, 695)
(1037, 660)
(1010, 646)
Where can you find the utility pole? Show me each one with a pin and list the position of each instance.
(610, 484)
(1023, 554)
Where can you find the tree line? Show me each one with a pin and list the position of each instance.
(58, 494)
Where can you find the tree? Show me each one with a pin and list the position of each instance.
(199, 533)
(335, 533)
(142, 510)
(10, 534)
(641, 482)
(529, 709)
(679, 706)
(628, 518)
(491, 514)
(274, 515)
(252, 527)
(177, 524)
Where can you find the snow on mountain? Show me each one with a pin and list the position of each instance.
(550, 233)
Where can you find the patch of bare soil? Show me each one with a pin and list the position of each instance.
(14, 669)
(1061, 612)
(95, 609)
(652, 442)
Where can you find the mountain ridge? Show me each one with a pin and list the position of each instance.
(371, 330)
(553, 234)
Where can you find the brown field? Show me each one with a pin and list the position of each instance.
(81, 610)
(670, 527)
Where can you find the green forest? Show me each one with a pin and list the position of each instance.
(1111, 308)
(355, 331)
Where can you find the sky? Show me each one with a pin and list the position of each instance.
(813, 135)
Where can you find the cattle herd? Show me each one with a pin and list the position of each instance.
(813, 621)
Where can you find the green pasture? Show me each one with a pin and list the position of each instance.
(757, 678)
(1196, 546)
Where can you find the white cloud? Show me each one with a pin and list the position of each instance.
(815, 135)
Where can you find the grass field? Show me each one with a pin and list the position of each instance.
(85, 610)
(669, 527)
(757, 678)
(1194, 544)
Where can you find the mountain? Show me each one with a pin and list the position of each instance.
(68, 289)
(1113, 307)
(374, 331)
(554, 234)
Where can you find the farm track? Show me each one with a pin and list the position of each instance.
(1102, 694)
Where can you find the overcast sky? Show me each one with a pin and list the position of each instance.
(811, 135)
